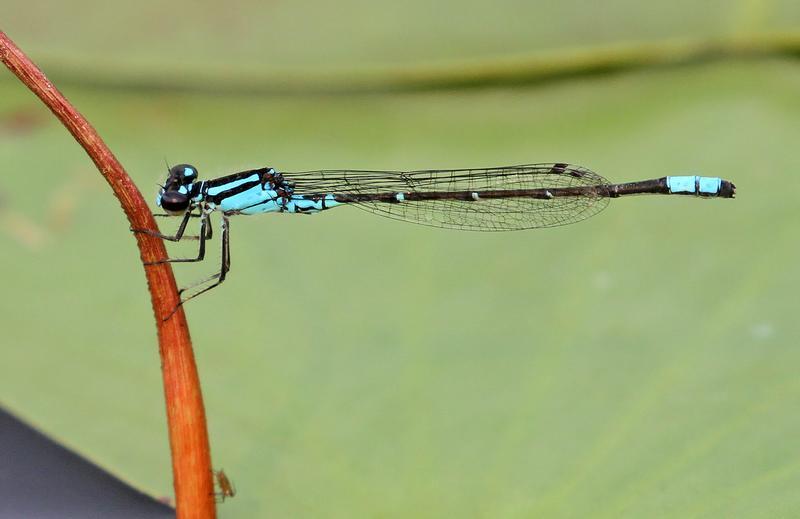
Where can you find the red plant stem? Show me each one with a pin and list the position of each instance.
(188, 437)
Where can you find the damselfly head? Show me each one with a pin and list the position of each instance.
(174, 196)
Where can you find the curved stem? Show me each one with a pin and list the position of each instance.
(191, 460)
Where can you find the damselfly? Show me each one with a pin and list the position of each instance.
(484, 199)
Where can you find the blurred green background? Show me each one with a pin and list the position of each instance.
(640, 364)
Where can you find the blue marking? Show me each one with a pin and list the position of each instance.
(400, 197)
(686, 184)
(184, 190)
(330, 201)
(230, 185)
(301, 204)
(695, 185)
(269, 206)
(709, 185)
(199, 197)
(245, 201)
(256, 201)
(188, 172)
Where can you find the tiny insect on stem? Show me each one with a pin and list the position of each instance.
(226, 488)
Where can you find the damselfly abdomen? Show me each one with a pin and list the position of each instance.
(484, 199)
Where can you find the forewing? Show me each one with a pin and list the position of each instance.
(479, 213)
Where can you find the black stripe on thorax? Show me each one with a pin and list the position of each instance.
(265, 178)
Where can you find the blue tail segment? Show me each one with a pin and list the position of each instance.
(694, 185)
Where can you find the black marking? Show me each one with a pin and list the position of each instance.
(218, 182)
(559, 168)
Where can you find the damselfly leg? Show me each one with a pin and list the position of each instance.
(179, 233)
(179, 237)
(225, 266)
(205, 234)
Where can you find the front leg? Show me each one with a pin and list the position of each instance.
(204, 234)
(178, 234)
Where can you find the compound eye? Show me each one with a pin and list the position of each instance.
(174, 201)
(183, 173)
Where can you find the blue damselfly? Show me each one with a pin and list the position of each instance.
(484, 199)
